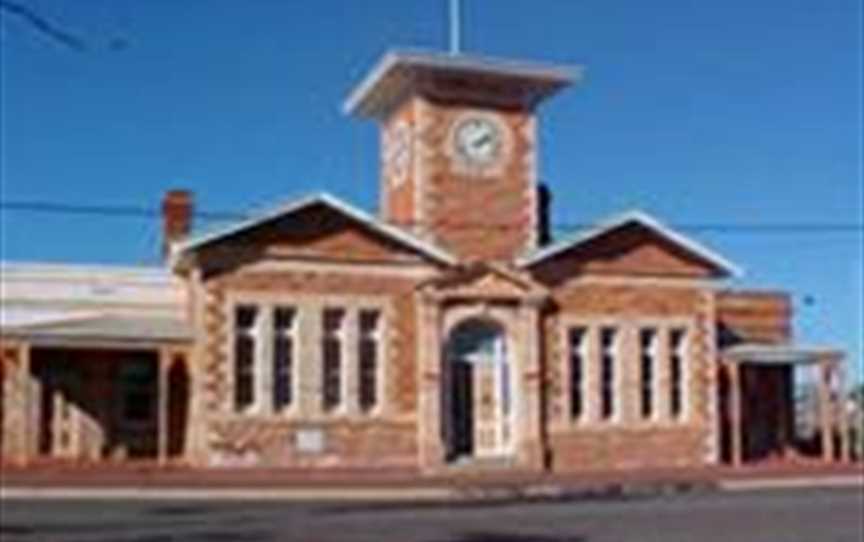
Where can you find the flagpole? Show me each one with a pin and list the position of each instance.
(455, 27)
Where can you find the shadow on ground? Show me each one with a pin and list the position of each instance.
(504, 497)
(125, 533)
(26, 533)
(483, 536)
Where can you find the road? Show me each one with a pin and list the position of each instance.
(768, 516)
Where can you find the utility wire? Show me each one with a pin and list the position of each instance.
(131, 211)
(108, 210)
(43, 25)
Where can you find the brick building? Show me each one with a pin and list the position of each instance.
(449, 330)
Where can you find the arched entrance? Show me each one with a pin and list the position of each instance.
(477, 392)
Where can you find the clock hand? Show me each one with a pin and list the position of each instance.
(481, 141)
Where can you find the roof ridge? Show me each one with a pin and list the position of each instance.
(358, 214)
(618, 220)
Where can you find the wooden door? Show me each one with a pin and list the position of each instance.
(487, 411)
(492, 420)
(477, 394)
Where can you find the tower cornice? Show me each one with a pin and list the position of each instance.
(400, 72)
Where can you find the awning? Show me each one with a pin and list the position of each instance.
(113, 330)
(779, 354)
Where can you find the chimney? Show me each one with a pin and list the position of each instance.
(177, 206)
(544, 210)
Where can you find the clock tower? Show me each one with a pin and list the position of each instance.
(459, 147)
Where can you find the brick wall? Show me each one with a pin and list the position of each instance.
(630, 441)
(385, 437)
(13, 392)
(754, 316)
(399, 189)
(628, 251)
(628, 448)
(346, 444)
(477, 216)
(316, 233)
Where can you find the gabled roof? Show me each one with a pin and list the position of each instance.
(618, 221)
(387, 230)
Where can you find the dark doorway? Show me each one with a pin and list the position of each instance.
(95, 404)
(476, 392)
(461, 409)
(59, 402)
(178, 406)
(136, 423)
(767, 414)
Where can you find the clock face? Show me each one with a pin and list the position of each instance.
(477, 140)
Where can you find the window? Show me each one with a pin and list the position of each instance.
(333, 321)
(138, 382)
(677, 353)
(245, 325)
(608, 336)
(578, 341)
(284, 324)
(648, 360)
(368, 353)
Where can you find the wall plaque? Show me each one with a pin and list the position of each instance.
(310, 441)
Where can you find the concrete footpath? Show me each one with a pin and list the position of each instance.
(252, 484)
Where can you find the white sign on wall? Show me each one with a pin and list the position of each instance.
(310, 441)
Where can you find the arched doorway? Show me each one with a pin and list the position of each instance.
(477, 392)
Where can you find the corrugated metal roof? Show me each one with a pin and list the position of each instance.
(77, 300)
(50, 270)
(108, 327)
(94, 286)
(770, 354)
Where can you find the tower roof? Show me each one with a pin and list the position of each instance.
(398, 71)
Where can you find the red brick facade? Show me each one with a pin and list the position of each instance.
(631, 441)
(447, 255)
(177, 209)
(496, 219)
(389, 437)
(355, 441)
(631, 251)
(763, 317)
(399, 163)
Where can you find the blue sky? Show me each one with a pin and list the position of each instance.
(698, 112)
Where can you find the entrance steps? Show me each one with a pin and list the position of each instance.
(482, 464)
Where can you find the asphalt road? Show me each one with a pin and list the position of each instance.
(782, 516)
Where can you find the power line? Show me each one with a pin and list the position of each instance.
(131, 211)
(55, 32)
(43, 25)
(108, 210)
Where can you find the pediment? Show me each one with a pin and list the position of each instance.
(484, 281)
(320, 232)
(320, 228)
(633, 246)
(631, 251)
